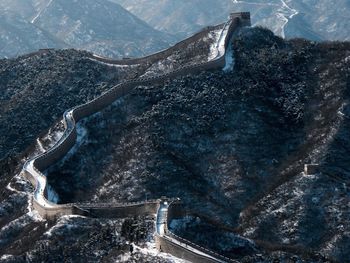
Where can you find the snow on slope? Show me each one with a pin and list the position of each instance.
(40, 11)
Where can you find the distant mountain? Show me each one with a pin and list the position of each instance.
(329, 19)
(180, 17)
(312, 19)
(119, 28)
(99, 26)
(18, 36)
(26, 9)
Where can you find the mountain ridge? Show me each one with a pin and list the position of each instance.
(314, 20)
(98, 26)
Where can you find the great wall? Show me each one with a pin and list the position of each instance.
(165, 209)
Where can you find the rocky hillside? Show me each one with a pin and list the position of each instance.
(232, 146)
(99, 26)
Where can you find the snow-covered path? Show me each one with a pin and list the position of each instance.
(40, 187)
(194, 250)
(217, 49)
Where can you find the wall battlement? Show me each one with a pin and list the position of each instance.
(244, 18)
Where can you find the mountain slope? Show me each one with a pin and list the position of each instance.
(36, 89)
(312, 19)
(98, 26)
(18, 36)
(327, 19)
(179, 17)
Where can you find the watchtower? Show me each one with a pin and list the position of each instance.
(244, 18)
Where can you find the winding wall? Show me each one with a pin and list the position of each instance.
(33, 167)
(161, 54)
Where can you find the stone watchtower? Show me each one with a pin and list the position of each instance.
(244, 18)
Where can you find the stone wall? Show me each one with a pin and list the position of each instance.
(122, 211)
(168, 245)
(58, 151)
(68, 139)
(180, 247)
(55, 212)
(161, 54)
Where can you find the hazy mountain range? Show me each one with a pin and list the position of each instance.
(95, 25)
(119, 28)
(179, 17)
(312, 19)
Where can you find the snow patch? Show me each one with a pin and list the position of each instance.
(177, 224)
(20, 223)
(347, 59)
(215, 35)
(6, 256)
(217, 48)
